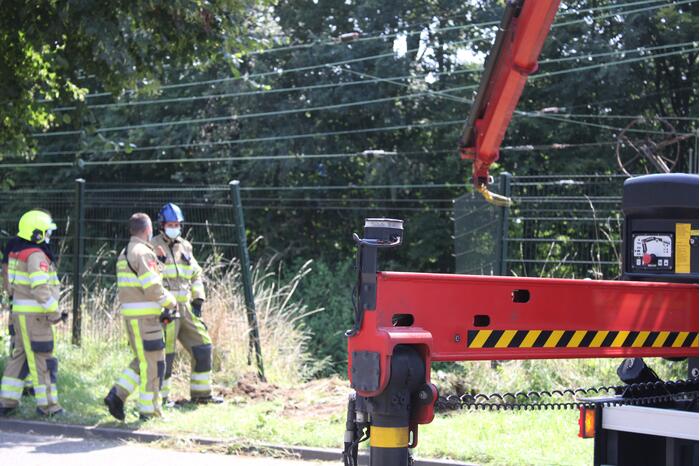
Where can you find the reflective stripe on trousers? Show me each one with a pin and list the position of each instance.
(146, 403)
(11, 388)
(129, 380)
(200, 382)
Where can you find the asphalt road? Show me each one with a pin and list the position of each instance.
(39, 450)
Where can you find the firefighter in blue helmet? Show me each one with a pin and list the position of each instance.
(182, 276)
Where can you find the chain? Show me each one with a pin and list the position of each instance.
(644, 393)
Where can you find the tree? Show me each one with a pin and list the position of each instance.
(53, 50)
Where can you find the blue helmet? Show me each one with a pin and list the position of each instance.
(170, 213)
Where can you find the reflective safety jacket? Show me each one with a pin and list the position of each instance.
(33, 283)
(181, 273)
(139, 283)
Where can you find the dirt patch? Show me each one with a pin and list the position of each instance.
(250, 388)
(316, 399)
(322, 398)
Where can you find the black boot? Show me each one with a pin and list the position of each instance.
(5, 411)
(115, 404)
(49, 412)
(206, 400)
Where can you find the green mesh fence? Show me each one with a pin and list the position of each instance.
(106, 208)
(557, 227)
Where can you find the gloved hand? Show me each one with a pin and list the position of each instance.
(168, 315)
(160, 253)
(64, 316)
(197, 307)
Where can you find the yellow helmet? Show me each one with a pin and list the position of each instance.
(34, 224)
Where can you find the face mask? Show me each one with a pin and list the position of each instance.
(172, 233)
(47, 236)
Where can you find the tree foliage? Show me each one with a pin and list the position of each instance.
(52, 50)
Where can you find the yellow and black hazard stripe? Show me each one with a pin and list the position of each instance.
(579, 339)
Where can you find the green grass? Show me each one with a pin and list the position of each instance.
(532, 438)
(507, 438)
(314, 416)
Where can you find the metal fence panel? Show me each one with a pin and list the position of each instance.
(209, 222)
(557, 227)
(209, 225)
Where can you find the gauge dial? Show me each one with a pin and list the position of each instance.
(652, 251)
(659, 245)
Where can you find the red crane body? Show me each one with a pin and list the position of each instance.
(472, 318)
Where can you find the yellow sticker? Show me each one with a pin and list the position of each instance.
(682, 247)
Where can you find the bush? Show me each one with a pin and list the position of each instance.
(329, 287)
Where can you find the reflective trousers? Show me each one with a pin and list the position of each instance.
(192, 334)
(13, 343)
(146, 370)
(32, 358)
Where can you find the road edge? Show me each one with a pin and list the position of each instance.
(111, 433)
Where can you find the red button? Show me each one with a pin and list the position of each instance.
(646, 259)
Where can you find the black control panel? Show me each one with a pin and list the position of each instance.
(660, 237)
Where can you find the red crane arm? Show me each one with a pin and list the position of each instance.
(523, 30)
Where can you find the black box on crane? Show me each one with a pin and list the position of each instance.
(660, 234)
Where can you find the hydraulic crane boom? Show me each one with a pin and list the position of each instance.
(513, 58)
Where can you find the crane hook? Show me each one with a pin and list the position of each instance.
(493, 198)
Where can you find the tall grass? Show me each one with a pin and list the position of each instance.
(280, 316)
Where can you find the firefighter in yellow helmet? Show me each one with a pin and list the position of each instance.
(183, 277)
(34, 287)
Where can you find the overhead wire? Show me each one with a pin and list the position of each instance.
(616, 63)
(550, 117)
(623, 99)
(268, 91)
(181, 99)
(274, 138)
(624, 117)
(218, 119)
(355, 60)
(247, 158)
(298, 157)
(383, 35)
(385, 55)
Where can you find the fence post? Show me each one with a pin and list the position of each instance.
(502, 241)
(78, 253)
(254, 342)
